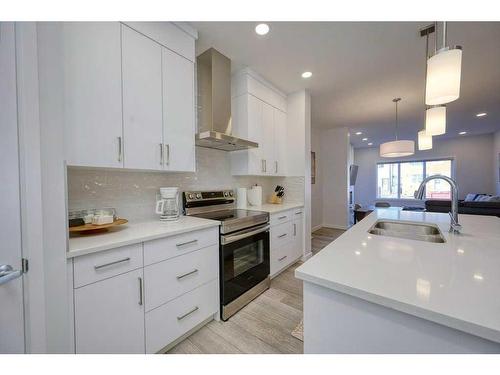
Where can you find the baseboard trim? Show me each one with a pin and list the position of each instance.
(333, 226)
(313, 229)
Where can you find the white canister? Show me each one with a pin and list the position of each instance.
(241, 198)
(255, 195)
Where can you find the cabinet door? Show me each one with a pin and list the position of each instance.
(91, 55)
(279, 167)
(268, 138)
(142, 101)
(255, 133)
(178, 112)
(109, 315)
(298, 238)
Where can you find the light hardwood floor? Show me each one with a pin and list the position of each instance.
(265, 324)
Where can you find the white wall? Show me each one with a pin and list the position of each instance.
(473, 166)
(317, 188)
(133, 193)
(335, 148)
(496, 161)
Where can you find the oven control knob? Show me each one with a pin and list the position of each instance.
(226, 194)
(198, 196)
(230, 193)
(190, 196)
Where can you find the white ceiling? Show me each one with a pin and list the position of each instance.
(358, 67)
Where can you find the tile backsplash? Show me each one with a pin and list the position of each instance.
(133, 193)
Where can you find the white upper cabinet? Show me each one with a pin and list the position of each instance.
(129, 95)
(91, 56)
(280, 139)
(257, 115)
(142, 101)
(178, 112)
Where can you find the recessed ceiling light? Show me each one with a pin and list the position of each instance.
(359, 133)
(369, 144)
(262, 28)
(481, 114)
(462, 133)
(307, 75)
(365, 139)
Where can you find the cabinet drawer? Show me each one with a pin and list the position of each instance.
(170, 321)
(298, 213)
(281, 217)
(171, 278)
(281, 234)
(165, 248)
(281, 257)
(99, 266)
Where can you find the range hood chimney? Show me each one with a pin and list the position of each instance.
(214, 104)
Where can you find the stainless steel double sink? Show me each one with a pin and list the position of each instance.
(408, 230)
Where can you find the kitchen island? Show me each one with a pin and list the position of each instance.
(368, 293)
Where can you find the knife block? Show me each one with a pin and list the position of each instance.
(274, 199)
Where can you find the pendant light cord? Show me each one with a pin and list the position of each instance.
(396, 100)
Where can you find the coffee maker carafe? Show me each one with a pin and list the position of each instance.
(167, 204)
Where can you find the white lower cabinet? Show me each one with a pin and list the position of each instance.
(170, 321)
(180, 274)
(109, 315)
(121, 306)
(287, 235)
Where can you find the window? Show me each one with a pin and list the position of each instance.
(400, 180)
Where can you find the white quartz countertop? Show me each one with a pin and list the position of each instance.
(132, 233)
(273, 208)
(456, 283)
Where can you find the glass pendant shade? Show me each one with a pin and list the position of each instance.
(443, 76)
(424, 141)
(435, 120)
(396, 149)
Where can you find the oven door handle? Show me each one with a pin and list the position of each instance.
(236, 237)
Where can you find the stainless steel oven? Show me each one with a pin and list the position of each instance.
(244, 246)
(244, 267)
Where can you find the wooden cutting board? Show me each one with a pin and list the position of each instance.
(92, 228)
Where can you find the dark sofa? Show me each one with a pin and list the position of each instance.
(472, 208)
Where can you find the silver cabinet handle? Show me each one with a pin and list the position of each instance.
(167, 147)
(161, 154)
(282, 217)
(180, 277)
(111, 263)
(186, 243)
(282, 235)
(141, 294)
(7, 273)
(120, 149)
(298, 213)
(282, 258)
(276, 167)
(188, 313)
(262, 165)
(265, 165)
(294, 229)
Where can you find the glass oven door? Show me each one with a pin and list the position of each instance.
(244, 261)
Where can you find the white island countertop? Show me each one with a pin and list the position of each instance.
(274, 208)
(132, 233)
(456, 283)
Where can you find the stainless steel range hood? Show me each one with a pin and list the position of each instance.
(214, 104)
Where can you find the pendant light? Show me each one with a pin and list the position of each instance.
(444, 69)
(397, 148)
(424, 140)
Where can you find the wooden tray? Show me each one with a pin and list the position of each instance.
(91, 228)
